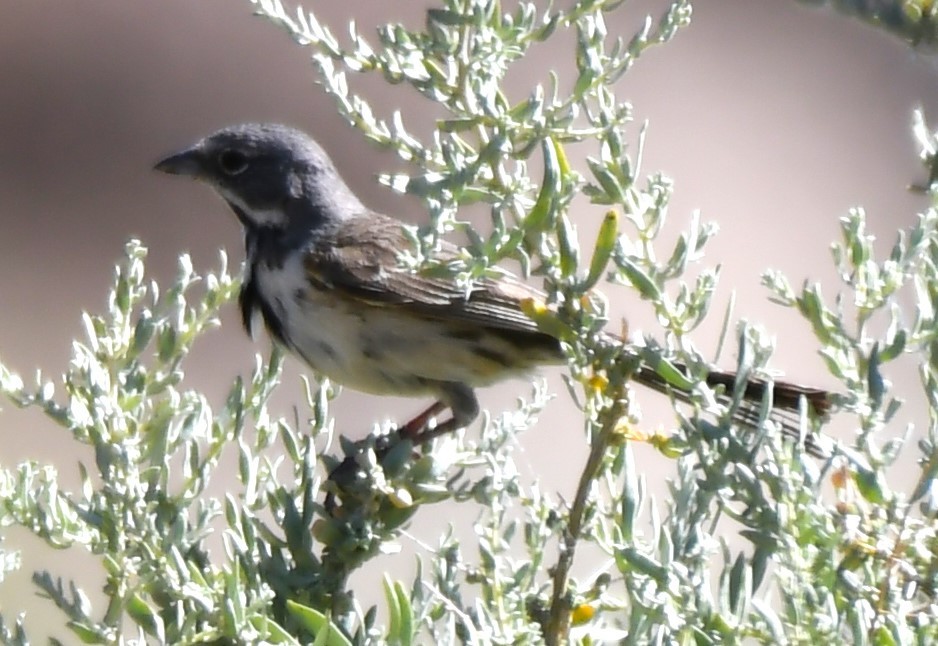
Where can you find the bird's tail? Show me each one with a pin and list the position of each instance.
(786, 399)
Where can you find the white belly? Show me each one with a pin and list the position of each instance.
(379, 349)
(322, 331)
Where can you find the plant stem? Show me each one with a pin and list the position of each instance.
(558, 620)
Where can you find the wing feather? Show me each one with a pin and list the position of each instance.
(364, 267)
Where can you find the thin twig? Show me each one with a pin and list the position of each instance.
(558, 620)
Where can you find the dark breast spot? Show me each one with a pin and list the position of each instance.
(248, 302)
(373, 353)
(329, 351)
(274, 320)
(251, 299)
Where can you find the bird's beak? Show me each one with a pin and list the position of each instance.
(188, 162)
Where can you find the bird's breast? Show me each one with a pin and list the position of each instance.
(381, 349)
(335, 336)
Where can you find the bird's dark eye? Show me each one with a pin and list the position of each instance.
(232, 162)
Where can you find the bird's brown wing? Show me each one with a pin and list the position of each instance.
(363, 265)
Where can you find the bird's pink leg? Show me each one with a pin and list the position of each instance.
(415, 427)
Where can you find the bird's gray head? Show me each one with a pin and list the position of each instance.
(271, 175)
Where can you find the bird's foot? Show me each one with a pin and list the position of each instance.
(357, 474)
(415, 429)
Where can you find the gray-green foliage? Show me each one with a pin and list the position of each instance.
(915, 21)
(855, 561)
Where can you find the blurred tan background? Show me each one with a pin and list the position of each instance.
(772, 118)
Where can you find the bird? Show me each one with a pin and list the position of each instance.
(323, 271)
